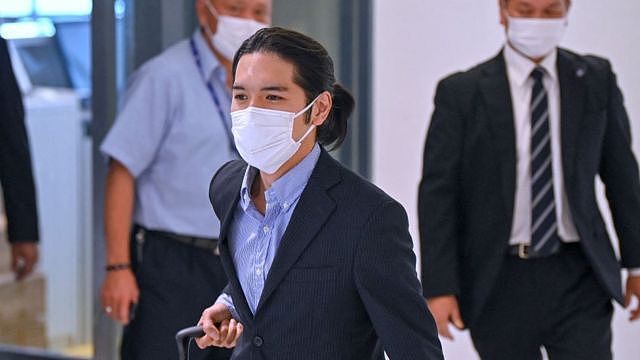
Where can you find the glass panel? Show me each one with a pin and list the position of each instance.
(342, 26)
(15, 8)
(63, 7)
(318, 19)
(50, 309)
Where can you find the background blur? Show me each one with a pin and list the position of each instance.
(73, 57)
(417, 42)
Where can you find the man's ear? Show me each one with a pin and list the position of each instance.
(321, 108)
(502, 8)
(205, 19)
(200, 12)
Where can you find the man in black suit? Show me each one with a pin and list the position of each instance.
(513, 244)
(320, 262)
(339, 288)
(15, 172)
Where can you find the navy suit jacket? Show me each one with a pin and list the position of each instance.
(343, 283)
(466, 196)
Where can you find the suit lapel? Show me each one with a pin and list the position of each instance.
(240, 302)
(496, 92)
(313, 209)
(572, 104)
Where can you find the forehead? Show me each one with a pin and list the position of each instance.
(535, 3)
(245, 3)
(261, 67)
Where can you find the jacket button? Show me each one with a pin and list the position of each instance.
(257, 341)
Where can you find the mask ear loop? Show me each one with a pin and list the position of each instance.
(211, 8)
(214, 12)
(306, 108)
(311, 127)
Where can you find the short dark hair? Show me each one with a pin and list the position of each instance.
(313, 72)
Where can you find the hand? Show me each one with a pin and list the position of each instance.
(633, 289)
(119, 291)
(226, 334)
(444, 310)
(24, 256)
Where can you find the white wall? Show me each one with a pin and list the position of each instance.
(417, 42)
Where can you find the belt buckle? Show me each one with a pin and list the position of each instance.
(523, 251)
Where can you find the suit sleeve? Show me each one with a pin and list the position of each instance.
(384, 271)
(16, 174)
(438, 197)
(619, 173)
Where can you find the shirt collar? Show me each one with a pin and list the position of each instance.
(520, 67)
(287, 189)
(211, 67)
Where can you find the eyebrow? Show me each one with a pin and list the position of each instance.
(266, 88)
(275, 88)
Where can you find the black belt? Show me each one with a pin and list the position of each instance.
(198, 242)
(523, 251)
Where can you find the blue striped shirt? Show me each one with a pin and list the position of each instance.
(254, 238)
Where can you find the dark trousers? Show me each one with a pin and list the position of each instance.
(177, 282)
(555, 302)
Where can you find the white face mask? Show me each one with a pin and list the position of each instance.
(264, 137)
(535, 38)
(231, 32)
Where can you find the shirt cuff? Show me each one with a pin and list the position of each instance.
(634, 272)
(226, 299)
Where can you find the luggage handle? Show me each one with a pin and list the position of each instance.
(184, 336)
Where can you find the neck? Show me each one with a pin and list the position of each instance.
(537, 61)
(226, 63)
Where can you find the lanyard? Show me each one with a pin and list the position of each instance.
(216, 101)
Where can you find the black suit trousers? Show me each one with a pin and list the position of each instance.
(555, 302)
(177, 282)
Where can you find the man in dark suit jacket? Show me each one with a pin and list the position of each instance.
(343, 283)
(15, 172)
(509, 224)
(319, 261)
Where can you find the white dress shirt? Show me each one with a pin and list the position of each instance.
(519, 70)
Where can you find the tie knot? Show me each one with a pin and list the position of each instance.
(537, 73)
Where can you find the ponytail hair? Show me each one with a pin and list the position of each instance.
(334, 130)
(313, 72)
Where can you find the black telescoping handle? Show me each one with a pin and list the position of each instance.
(183, 336)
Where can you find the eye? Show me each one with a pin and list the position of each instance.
(272, 97)
(259, 14)
(555, 12)
(234, 9)
(240, 97)
(524, 10)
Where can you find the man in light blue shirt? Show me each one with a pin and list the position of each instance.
(171, 135)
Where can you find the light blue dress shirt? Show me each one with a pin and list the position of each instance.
(170, 136)
(254, 238)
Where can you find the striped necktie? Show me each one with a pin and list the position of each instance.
(544, 224)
